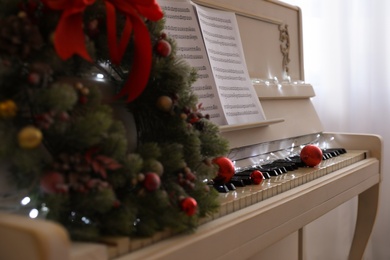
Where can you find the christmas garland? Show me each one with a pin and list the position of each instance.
(67, 136)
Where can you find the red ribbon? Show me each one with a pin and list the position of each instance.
(69, 36)
(71, 23)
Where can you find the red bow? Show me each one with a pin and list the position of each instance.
(69, 37)
(71, 24)
(139, 75)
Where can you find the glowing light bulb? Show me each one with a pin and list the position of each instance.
(33, 213)
(25, 201)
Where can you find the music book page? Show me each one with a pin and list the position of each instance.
(210, 42)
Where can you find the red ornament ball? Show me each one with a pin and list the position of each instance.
(311, 155)
(189, 206)
(152, 181)
(226, 169)
(257, 177)
(52, 182)
(163, 48)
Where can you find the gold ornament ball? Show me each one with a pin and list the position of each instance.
(8, 109)
(29, 137)
(164, 103)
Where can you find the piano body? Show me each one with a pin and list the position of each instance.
(255, 217)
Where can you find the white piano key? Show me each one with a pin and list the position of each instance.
(259, 196)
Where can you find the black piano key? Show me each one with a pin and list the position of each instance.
(230, 186)
(335, 151)
(266, 175)
(332, 152)
(282, 169)
(243, 173)
(272, 170)
(297, 160)
(244, 176)
(290, 166)
(237, 181)
(221, 188)
(338, 150)
(267, 171)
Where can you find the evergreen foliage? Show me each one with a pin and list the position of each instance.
(74, 155)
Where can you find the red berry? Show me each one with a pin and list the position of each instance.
(190, 176)
(64, 116)
(34, 78)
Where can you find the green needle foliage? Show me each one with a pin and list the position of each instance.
(69, 141)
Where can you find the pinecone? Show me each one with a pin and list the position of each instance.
(18, 36)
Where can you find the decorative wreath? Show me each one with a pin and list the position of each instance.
(98, 122)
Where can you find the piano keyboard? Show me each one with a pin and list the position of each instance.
(245, 196)
(278, 167)
(250, 194)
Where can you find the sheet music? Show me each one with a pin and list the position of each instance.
(223, 43)
(223, 88)
(181, 24)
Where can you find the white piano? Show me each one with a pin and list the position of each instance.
(253, 218)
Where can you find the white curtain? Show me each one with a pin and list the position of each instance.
(347, 60)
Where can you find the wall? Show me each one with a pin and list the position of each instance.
(347, 61)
